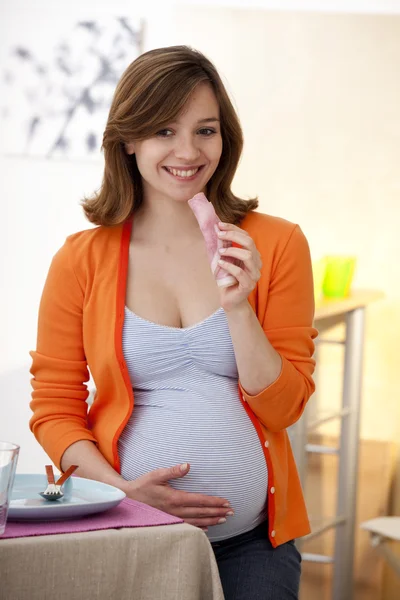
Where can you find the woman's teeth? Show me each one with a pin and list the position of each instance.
(182, 173)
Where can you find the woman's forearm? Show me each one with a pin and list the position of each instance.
(91, 463)
(259, 365)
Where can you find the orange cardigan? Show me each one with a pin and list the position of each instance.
(80, 327)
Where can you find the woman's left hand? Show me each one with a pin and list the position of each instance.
(247, 275)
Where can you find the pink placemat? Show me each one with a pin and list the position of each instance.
(129, 513)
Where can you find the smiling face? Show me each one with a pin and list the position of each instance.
(179, 160)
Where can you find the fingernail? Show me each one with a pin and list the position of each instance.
(222, 250)
(229, 514)
(222, 233)
(226, 505)
(221, 521)
(184, 467)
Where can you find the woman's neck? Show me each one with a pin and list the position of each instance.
(166, 221)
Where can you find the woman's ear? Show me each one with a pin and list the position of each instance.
(130, 148)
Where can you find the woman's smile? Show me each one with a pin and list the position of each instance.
(184, 174)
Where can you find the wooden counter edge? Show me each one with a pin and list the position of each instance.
(329, 307)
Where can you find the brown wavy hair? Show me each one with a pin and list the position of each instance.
(151, 93)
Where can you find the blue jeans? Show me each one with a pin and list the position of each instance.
(250, 568)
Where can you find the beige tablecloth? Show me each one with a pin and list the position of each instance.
(169, 562)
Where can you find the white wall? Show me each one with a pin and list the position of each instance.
(40, 207)
(319, 100)
(40, 199)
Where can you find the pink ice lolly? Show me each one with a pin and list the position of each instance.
(208, 222)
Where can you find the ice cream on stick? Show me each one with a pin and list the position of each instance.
(208, 221)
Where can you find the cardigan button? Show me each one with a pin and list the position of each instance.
(273, 533)
(272, 490)
(266, 444)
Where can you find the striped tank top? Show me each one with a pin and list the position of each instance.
(187, 409)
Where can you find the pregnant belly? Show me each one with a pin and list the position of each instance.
(226, 459)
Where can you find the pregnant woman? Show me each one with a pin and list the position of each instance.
(197, 375)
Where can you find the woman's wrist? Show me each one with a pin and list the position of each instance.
(117, 481)
(239, 311)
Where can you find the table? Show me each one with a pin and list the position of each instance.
(349, 311)
(382, 530)
(168, 562)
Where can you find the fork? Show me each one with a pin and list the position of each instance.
(53, 490)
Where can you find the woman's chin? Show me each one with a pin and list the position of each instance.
(185, 195)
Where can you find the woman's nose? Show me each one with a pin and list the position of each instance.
(186, 149)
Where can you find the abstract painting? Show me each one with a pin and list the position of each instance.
(55, 104)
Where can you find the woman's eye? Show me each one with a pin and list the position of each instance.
(207, 131)
(164, 133)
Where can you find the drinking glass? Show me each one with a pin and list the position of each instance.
(8, 463)
(339, 274)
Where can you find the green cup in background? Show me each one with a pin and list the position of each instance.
(339, 274)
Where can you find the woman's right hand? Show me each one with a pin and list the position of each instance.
(196, 509)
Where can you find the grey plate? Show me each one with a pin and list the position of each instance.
(81, 497)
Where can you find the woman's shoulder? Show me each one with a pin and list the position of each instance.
(91, 245)
(94, 235)
(274, 236)
(257, 219)
(260, 225)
